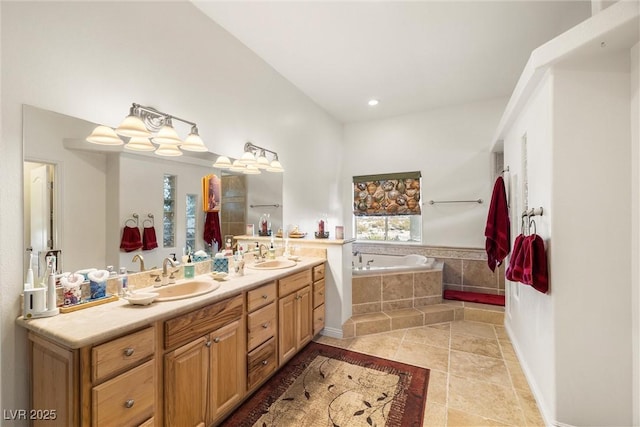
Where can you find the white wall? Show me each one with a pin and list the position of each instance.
(92, 60)
(449, 146)
(591, 263)
(635, 225)
(530, 316)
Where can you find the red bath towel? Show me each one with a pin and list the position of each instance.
(535, 271)
(497, 231)
(130, 239)
(149, 240)
(212, 229)
(514, 269)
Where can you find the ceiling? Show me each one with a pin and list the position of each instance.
(412, 56)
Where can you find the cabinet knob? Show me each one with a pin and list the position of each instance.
(321, 293)
(264, 362)
(265, 296)
(216, 339)
(208, 343)
(128, 351)
(129, 403)
(265, 325)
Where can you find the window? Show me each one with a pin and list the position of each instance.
(387, 207)
(192, 202)
(169, 212)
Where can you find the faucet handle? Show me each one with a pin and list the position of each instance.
(156, 276)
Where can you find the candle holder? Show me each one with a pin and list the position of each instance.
(320, 233)
(264, 229)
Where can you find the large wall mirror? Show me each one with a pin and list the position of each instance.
(79, 196)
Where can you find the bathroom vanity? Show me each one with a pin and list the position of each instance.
(185, 362)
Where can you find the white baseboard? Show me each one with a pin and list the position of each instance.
(332, 332)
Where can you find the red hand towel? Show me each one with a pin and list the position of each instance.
(535, 266)
(130, 239)
(149, 240)
(212, 229)
(497, 231)
(517, 252)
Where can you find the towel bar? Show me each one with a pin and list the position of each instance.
(433, 202)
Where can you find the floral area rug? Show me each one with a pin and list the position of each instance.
(329, 386)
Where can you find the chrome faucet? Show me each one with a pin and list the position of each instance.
(359, 255)
(138, 257)
(266, 250)
(164, 269)
(369, 264)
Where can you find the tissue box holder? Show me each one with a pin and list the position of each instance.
(221, 264)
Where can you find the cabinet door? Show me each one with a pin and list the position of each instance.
(227, 368)
(304, 316)
(287, 335)
(53, 379)
(185, 384)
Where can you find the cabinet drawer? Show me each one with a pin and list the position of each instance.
(318, 293)
(261, 296)
(294, 282)
(190, 326)
(261, 325)
(126, 400)
(149, 423)
(318, 272)
(318, 319)
(260, 363)
(121, 353)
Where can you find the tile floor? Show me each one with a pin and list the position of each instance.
(475, 377)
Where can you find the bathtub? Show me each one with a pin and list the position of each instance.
(388, 264)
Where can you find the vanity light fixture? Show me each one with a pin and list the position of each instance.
(150, 124)
(138, 143)
(373, 102)
(104, 135)
(253, 160)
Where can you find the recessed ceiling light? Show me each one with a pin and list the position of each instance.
(373, 102)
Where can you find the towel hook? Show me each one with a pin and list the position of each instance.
(533, 221)
(151, 220)
(134, 219)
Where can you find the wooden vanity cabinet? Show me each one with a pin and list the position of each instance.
(262, 330)
(113, 383)
(205, 375)
(294, 314)
(318, 298)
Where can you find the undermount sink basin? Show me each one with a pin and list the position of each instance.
(273, 264)
(192, 288)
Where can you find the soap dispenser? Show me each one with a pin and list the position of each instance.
(272, 251)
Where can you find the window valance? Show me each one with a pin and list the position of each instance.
(387, 194)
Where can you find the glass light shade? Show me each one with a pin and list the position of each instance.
(139, 144)
(222, 162)
(167, 135)
(237, 166)
(193, 143)
(168, 150)
(275, 166)
(247, 158)
(104, 135)
(251, 170)
(262, 162)
(132, 126)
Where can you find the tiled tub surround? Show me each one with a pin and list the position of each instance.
(396, 291)
(465, 269)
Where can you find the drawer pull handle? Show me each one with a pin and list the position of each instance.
(265, 325)
(216, 340)
(128, 351)
(264, 362)
(129, 403)
(265, 296)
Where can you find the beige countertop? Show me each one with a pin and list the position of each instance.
(104, 322)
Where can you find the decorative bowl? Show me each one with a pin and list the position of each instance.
(142, 298)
